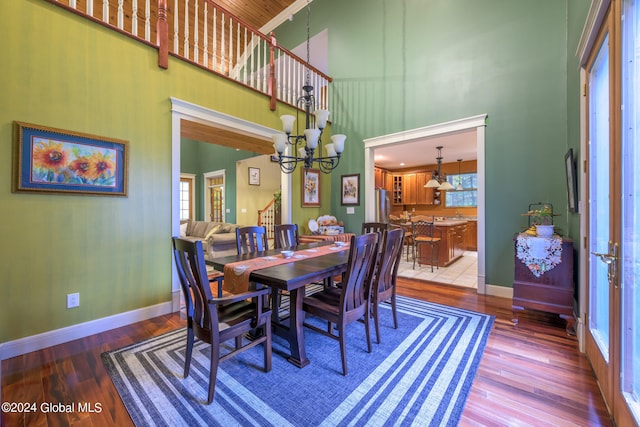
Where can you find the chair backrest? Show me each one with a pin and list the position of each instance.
(425, 228)
(251, 239)
(356, 285)
(374, 227)
(285, 236)
(194, 281)
(389, 260)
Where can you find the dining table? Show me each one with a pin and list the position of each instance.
(291, 276)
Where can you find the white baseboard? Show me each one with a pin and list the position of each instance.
(58, 336)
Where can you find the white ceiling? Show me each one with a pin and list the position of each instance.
(458, 145)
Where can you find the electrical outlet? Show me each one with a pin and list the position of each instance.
(73, 300)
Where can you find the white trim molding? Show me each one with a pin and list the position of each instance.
(474, 122)
(81, 330)
(180, 110)
(596, 15)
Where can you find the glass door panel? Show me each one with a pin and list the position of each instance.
(629, 387)
(599, 203)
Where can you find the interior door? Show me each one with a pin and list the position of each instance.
(613, 181)
(601, 209)
(626, 382)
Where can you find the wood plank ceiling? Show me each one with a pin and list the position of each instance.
(256, 13)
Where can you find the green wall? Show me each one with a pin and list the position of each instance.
(399, 65)
(199, 158)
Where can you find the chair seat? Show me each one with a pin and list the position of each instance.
(237, 312)
(427, 239)
(327, 301)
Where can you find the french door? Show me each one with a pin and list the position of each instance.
(612, 338)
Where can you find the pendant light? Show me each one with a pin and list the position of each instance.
(459, 187)
(438, 181)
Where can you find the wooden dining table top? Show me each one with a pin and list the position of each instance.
(292, 276)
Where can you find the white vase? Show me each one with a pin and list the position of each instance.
(544, 230)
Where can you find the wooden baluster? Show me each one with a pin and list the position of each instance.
(196, 36)
(176, 28)
(134, 17)
(185, 31)
(272, 74)
(105, 11)
(147, 20)
(230, 46)
(214, 38)
(120, 18)
(246, 56)
(206, 35)
(222, 46)
(237, 64)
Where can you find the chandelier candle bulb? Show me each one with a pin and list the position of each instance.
(338, 142)
(312, 136)
(280, 142)
(321, 118)
(287, 123)
(331, 152)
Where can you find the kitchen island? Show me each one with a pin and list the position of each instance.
(452, 245)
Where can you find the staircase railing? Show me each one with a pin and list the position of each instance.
(208, 36)
(269, 216)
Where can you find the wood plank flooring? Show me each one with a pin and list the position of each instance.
(531, 374)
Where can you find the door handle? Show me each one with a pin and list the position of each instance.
(611, 259)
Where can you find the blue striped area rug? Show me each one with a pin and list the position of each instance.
(420, 374)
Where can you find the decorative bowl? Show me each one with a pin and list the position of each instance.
(287, 254)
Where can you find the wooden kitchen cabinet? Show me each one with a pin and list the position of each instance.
(471, 236)
(451, 245)
(378, 178)
(552, 292)
(398, 188)
(388, 182)
(409, 189)
(424, 196)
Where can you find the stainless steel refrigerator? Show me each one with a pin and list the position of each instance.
(383, 206)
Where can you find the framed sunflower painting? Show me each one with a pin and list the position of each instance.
(48, 160)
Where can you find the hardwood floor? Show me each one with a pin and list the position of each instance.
(530, 374)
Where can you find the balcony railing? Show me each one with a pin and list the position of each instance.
(206, 35)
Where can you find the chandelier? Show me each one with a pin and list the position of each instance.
(439, 181)
(306, 148)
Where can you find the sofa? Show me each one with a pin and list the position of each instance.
(218, 238)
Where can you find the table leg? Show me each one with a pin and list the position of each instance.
(296, 332)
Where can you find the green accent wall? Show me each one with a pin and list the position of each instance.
(400, 65)
(396, 65)
(199, 158)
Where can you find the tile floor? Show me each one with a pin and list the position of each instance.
(463, 272)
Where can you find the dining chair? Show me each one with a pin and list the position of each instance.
(384, 279)
(251, 239)
(374, 227)
(285, 236)
(217, 320)
(350, 302)
(408, 236)
(425, 233)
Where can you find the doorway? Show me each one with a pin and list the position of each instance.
(477, 123)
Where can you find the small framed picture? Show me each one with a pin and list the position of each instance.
(254, 176)
(310, 187)
(350, 190)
